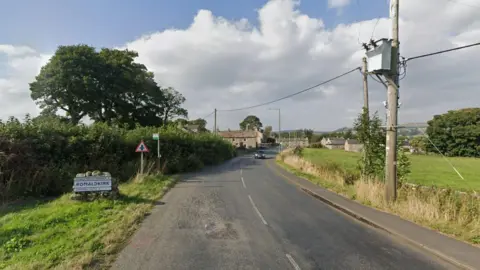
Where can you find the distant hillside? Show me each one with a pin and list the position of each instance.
(412, 129)
(343, 129)
(409, 129)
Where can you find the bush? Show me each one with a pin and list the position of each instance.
(298, 151)
(42, 157)
(316, 145)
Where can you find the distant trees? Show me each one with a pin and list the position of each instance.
(250, 123)
(419, 143)
(107, 86)
(456, 133)
(267, 132)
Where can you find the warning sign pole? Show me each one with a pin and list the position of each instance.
(141, 163)
(141, 148)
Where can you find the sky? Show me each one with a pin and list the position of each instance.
(231, 54)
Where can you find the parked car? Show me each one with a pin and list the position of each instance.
(259, 155)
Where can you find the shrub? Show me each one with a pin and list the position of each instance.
(42, 157)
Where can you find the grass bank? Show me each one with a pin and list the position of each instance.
(446, 211)
(67, 234)
(425, 170)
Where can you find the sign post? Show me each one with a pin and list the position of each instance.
(156, 137)
(141, 148)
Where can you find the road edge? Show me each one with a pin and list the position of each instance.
(369, 222)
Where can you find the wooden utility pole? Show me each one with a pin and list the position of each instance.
(365, 104)
(215, 122)
(365, 84)
(279, 129)
(392, 109)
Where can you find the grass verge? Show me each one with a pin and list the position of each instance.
(446, 211)
(425, 170)
(67, 234)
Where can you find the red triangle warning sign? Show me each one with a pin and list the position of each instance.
(141, 147)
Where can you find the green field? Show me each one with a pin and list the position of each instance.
(426, 170)
(72, 234)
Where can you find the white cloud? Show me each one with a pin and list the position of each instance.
(22, 65)
(217, 63)
(338, 3)
(11, 50)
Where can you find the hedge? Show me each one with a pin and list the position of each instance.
(40, 158)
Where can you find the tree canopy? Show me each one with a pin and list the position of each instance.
(107, 86)
(267, 132)
(456, 133)
(251, 122)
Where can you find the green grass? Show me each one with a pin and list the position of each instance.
(425, 170)
(68, 234)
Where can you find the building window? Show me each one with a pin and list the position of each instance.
(244, 140)
(233, 139)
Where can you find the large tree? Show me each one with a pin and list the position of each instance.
(455, 133)
(267, 132)
(172, 105)
(68, 81)
(107, 86)
(251, 122)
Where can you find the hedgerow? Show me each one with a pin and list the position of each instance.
(40, 158)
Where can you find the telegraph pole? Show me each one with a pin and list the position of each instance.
(215, 122)
(365, 103)
(279, 126)
(365, 84)
(392, 109)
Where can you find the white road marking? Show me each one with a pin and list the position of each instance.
(241, 171)
(256, 210)
(292, 261)
(243, 182)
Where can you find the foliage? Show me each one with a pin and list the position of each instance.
(308, 133)
(456, 133)
(171, 105)
(298, 151)
(370, 133)
(270, 140)
(251, 122)
(41, 156)
(316, 145)
(201, 123)
(419, 143)
(107, 86)
(348, 134)
(267, 132)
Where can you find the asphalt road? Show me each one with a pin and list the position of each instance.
(242, 215)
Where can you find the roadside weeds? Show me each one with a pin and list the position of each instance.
(442, 210)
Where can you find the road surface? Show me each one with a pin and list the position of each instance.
(242, 215)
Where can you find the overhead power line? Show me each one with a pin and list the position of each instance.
(208, 115)
(291, 95)
(444, 51)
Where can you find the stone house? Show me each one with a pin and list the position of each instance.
(293, 142)
(333, 143)
(352, 145)
(243, 138)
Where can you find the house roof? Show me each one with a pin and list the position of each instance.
(336, 141)
(353, 141)
(238, 134)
